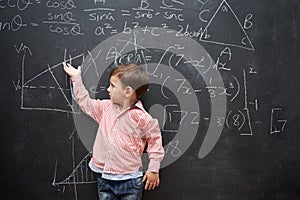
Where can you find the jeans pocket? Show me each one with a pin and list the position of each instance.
(138, 183)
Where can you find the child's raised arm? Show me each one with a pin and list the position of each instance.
(91, 107)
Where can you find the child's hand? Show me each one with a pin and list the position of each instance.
(152, 180)
(71, 71)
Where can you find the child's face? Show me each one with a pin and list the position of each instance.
(116, 90)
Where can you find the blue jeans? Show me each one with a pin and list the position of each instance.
(130, 189)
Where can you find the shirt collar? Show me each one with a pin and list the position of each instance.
(137, 104)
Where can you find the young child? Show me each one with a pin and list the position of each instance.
(124, 130)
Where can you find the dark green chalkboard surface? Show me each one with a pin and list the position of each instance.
(224, 85)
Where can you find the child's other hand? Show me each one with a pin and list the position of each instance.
(71, 71)
(152, 180)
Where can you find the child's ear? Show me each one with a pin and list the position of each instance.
(128, 91)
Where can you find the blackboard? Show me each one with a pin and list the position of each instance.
(224, 87)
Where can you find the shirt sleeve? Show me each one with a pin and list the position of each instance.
(91, 107)
(155, 149)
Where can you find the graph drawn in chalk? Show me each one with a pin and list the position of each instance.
(80, 173)
(47, 89)
(225, 28)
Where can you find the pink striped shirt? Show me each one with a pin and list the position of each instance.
(122, 135)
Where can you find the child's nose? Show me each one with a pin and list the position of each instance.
(108, 89)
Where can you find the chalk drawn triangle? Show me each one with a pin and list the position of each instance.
(46, 90)
(225, 28)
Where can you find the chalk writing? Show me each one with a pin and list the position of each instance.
(19, 4)
(14, 25)
(62, 22)
(63, 5)
(278, 123)
(127, 34)
(175, 151)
